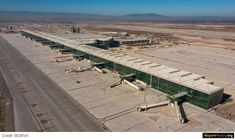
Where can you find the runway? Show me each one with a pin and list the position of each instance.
(39, 103)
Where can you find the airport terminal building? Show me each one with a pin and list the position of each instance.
(200, 92)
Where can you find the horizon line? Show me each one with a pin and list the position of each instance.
(114, 14)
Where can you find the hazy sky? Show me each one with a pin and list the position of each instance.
(121, 7)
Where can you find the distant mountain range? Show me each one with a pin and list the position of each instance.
(76, 17)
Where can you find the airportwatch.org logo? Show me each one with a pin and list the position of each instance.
(217, 135)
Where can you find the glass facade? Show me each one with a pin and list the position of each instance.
(195, 97)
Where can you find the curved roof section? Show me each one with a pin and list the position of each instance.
(185, 78)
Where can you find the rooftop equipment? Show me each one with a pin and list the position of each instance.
(171, 81)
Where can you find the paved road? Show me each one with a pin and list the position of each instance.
(39, 103)
(9, 124)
